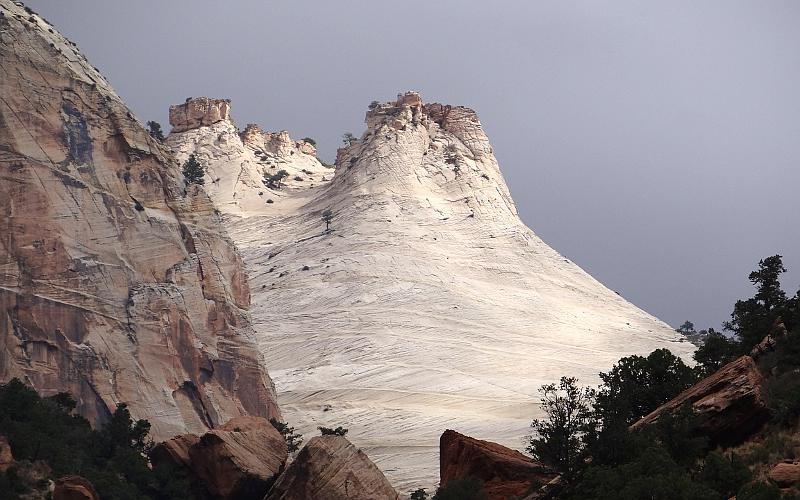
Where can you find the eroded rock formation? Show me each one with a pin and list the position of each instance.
(505, 473)
(237, 163)
(239, 460)
(428, 305)
(729, 405)
(331, 468)
(198, 112)
(115, 284)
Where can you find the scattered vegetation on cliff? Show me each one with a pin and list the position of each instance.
(348, 138)
(327, 218)
(154, 128)
(585, 433)
(327, 431)
(293, 439)
(275, 180)
(113, 458)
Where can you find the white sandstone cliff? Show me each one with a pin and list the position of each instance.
(429, 305)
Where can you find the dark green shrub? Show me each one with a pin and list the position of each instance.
(327, 431)
(461, 489)
(293, 439)
(193, 171)
(759, 491)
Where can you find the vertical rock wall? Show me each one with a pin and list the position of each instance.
(116, 284)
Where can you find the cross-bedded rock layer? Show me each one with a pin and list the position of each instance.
(116, 284)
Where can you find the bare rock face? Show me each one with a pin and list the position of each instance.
(115, 285)
(6, 458)
(198, 112)
(729, 404)
(785, 474)
(428, 304)
(74, 488)
(506, 473)
(240, 460)
(331, 468)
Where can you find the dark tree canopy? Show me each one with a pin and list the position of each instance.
(275, 180)
(327, 431)
(193, 171)
(154, 128)
(716, 351)
(293, 439)
(327, 217)
(113, 458)
(753, 319)
(637, 385)
(568, 414)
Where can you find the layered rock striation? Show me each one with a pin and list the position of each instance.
(428, 304)
(331, 468)
(116, 283)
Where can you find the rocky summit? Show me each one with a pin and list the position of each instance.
(116, 285)
(426, 304)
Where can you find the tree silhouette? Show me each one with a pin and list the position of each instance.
(154, 128)
(275, 180)
(327, 217)
(193, 171)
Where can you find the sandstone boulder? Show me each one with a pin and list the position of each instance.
(785, 474)
(175, 451)
(197, 112)
(238, 461)
(74, 488)
(331, 468)
(729, 404)
(504, 472)
(6, 458)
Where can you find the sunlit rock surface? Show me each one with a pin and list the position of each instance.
(428, 305)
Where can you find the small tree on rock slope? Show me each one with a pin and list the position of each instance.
(193, 171)
(327, 217)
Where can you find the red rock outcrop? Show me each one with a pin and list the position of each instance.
(175, 451)
(240, 460)
(198, 112)
(785, 474)
(331, 468)
(116, 284)
(74, 488)
(6, 458)
(729, 405)
(505, 472)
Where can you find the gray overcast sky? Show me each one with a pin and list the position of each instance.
(656, 144)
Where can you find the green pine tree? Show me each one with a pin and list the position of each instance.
(193, 171)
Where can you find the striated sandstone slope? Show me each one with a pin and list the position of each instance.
(429, 305)
(114, 284)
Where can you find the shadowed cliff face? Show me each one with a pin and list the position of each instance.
(115, 284)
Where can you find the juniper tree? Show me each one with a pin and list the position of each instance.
(327, 217)
(154, 128)
(348, 138)
(193, 171)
